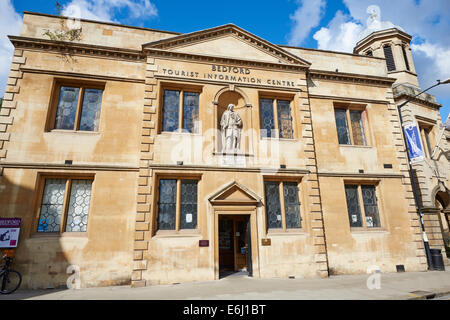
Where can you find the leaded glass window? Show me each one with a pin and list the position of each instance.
(284, 119)
(80, 199)
(357, 127)
(180, 111)
(276, 118)
(267, 118)
(353, 135)
(353, 207)
(75, 113)
(167, 204)
(370, 206)
(170, 110)
(67, 108)
(52, 205)
(341, 126)
(288, 215)
(90, 113)
(291, 205)
(190, 111)
(366, 215)
(273, 206)
(182, 192)
(188, 208)
(65, 205)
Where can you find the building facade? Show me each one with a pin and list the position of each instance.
(150, 157)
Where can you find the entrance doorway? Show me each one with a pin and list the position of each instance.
(234, 245)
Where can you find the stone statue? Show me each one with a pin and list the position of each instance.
(231, 124)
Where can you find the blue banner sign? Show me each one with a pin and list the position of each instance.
(415, 148)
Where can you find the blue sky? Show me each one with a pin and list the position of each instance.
(325, 24)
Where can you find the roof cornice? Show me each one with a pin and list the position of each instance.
(351, 77)
(387, 33)
(67, 47)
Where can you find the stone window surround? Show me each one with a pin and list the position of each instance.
(54, 97)
(37, 199)
(366, 128)
(182, 87)
(426, 126)
(372, 182)
(154, 213)
(277, 96)
(301, 194)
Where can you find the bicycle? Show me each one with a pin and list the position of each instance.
(10, 280)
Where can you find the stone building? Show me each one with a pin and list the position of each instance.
(151, 157)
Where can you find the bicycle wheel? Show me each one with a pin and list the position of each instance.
(10, 281)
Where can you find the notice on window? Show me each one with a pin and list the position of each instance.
(9, 232)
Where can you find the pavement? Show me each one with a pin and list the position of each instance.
(385, 286)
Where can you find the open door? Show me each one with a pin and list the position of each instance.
(249, 249)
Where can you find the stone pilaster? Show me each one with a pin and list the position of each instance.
(315, 202)
(143, 199)
(10, 102)
(400, 153)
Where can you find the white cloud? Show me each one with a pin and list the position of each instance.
(10, 24)
(428, 21)
(305, 18)
(106, 10)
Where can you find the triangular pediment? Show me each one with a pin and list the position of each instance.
(228, 41)
(235, 193)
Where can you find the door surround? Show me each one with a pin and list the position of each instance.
(235, 199)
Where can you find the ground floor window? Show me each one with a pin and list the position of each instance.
(366, 215)
(177, 204)
(64, 205)
(282, 204)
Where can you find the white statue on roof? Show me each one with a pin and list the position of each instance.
(374, 22)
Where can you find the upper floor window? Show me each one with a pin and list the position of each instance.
(365, 216)
(180, 111)
(369, 53)
(405, 57)
(64, 205)
(426, 134)
(177, 204)
(389, 57)
(353, 134)
(282, 205)
(276, 118)
(78, 107)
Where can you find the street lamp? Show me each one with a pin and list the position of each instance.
(413, 182)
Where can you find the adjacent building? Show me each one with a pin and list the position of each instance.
(151, 157)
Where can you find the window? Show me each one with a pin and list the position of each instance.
(282, 205)
(425, 132)
(405, 57)
(365, 194)
(78, 107)
(369, 53)
(64, 205)
(177, 204)
(353, 134)
(389, 58)
(276, 119)
(180, 111)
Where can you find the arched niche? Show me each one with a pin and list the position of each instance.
(232, 95)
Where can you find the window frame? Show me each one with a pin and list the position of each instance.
(181, 88)
(155, 226)
(365, 129)
(362, 208)
(54, 99)
(275, 98)
(281, 181)
(39, 195)
(426, 137)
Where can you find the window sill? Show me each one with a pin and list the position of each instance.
(177, 234)
(74, 132)
(53, 235)
(280, 139)
(168, 133)
(368, 230)
(355, 146)
(287, 232)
